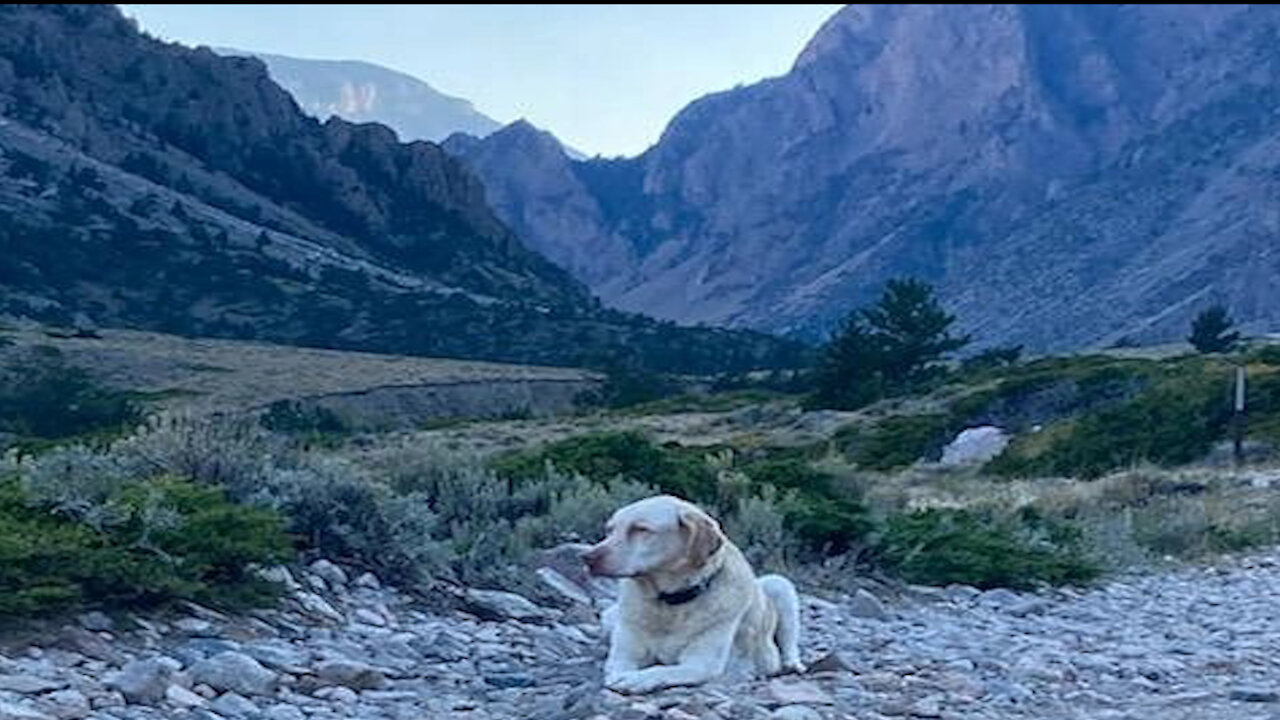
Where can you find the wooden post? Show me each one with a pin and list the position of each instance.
(1237, 418)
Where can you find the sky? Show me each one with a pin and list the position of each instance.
(605, 79)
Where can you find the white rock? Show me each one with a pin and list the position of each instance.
(368, 580)
(975, 446)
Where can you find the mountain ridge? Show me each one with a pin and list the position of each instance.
(934, 141)
(154, 186)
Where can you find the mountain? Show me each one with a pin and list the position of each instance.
(154, 186)
(1067, 175)
(365, 92)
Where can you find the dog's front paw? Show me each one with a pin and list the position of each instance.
(630, 683)
(794, 666)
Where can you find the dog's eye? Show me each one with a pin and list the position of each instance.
(638, 530)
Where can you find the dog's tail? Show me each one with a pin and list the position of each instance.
(786, 601)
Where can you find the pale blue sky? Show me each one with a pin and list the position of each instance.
(604, 78)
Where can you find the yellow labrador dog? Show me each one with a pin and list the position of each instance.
(688, 601)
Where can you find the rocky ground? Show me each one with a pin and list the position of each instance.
(1197, 642)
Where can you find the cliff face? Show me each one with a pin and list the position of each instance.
(996, 150)
(365, 92)
(150, 185)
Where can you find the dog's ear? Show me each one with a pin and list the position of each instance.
(704, 536)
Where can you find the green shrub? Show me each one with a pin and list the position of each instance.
(42, 396)
(169, 539)
(630, 455)
(938, 547)
(1175, 422)
(288, 416)
(898, 441)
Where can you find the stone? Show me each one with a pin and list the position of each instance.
(798, 693)
(281, 575)
(194, 626)
(335, 576)
(29, 684)
(235, 672)
(283, 712)
(974, 446)
(831, 662)
(234, 705)
(1254, 695)
(368, 617)
(338, 694)
(183, 697)
(369, 581)
(67, 704)
(795, 712)
(96, 621)
(499, 605)
(865, 605)
(142, 681)
(318, 606)
(14, 711)
(348, 673)
(563, 586)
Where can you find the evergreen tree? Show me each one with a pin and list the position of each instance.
(1209, 331)
(890, 348)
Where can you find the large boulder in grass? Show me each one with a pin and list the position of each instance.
(975, 446)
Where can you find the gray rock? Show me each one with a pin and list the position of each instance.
(499, 605)
(29, 684)
(67, 704)
(338, 694)
(335, 576)
(1254, 695)
(231, 704)
(348, 673)
(318, 606)
(563, 586)
(96, 621)
(183, 698)
(235, 672)
(283, 712)
(865, 605)
(795, 712)
(15, 711)
(368, 580)
(142, 681)
(789, 692)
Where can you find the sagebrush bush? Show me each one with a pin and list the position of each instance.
(232, 452)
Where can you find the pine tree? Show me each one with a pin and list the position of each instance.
(890, 348)
(1209, 331)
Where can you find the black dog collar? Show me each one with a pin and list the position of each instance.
(680, 597)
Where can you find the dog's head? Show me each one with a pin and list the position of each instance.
(661, 533)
